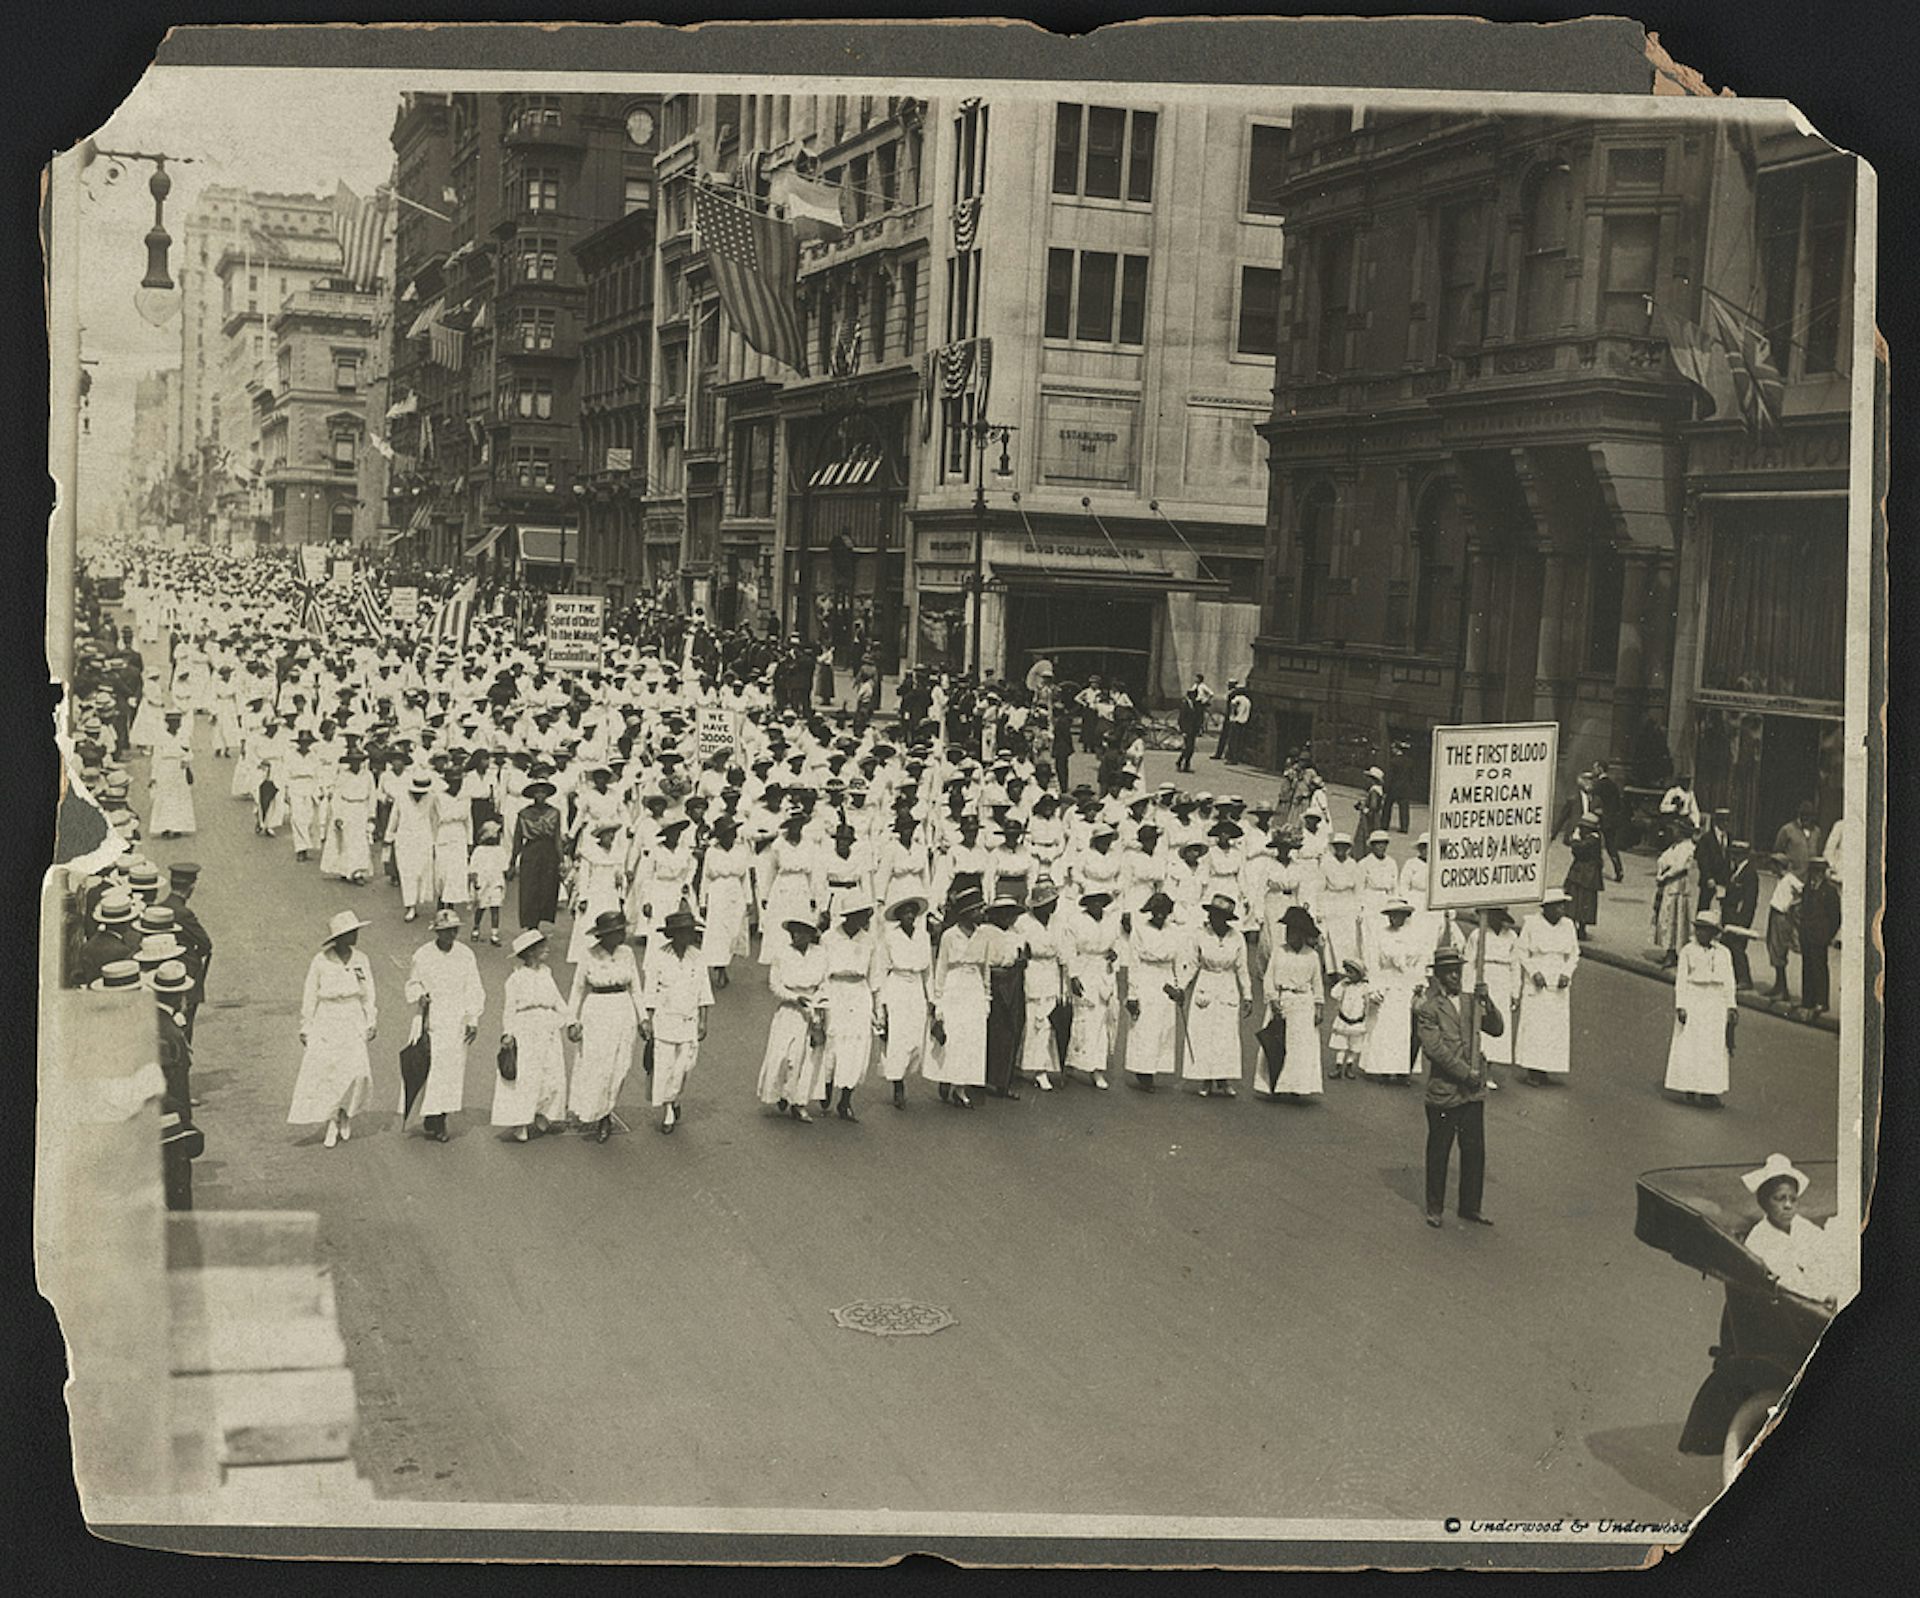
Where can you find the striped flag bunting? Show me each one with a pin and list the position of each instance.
(451, 621)
(358, 226)
(370, 606)
(755, 259)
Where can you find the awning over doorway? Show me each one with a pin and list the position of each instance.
(542, 546)
(859, 467)
(1030, 574)
(493, 536)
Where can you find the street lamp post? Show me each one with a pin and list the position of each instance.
(983, 432)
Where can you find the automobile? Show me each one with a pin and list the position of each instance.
(1700, 1215)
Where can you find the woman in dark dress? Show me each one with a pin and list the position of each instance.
(1585, 880)
(536, 856)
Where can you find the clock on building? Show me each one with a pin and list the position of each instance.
(640, 126)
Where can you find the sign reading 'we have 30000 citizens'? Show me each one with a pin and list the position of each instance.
(1492, 814)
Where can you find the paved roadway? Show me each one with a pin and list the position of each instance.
(1165, 1305)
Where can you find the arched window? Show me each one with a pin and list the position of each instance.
(1315, 538)
(1543, 268)
(1434, 556)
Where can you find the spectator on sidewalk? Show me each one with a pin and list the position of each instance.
(1614, 815)
(1799, 840)
(1737, 907)
(1710, 852)
(1819, 927)
(1371, 807)
(1783, 924)
(1239, 724)
(1585, 880)
(1192, 719)
(1399, 783)
(1679, 802)
(1673, 894)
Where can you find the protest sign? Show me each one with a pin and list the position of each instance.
(574, 623)
(1492, 812)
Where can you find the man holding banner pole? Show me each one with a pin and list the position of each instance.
(1492, 814)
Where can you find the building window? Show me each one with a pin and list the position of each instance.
(1630, 248)
(1334, 282)
(284, 366)
(1266, 166)
(534, 330)
(909, 304)
(540, 188)
(886, 162)
(1315, 540)
(857, 177)
(1102, 152)
(1462, 253)
(753, 468)
(1543, 267)
(1259, 311)
(1096, 297)
(535, 398)
(639, 194)
(532, 466)
(1804, 220)
(672, 456)
(346, 373)
(879, 303)
(1638, 168)
(676, 118)
(534, 111)
(963, 295)
(970, 151)
(539, 259)
(345, 458)
(673, 372)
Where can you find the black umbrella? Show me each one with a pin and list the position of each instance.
(416, 1060)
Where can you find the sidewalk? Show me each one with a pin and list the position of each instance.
(1622, 937)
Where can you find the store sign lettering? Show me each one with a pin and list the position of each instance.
(1826, 450)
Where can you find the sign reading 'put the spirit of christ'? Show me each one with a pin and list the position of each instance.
(1492, 814)
(574, 625)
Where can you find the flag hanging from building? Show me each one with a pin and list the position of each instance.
(369, 606)
(815, 209)
(450, 622)
(1758, 387)
(447, 346)
(755, 259)
(966, 224)
(359, 226)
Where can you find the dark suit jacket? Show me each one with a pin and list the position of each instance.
(194, 936)
(1742, 897)
(1451, 1078)
(1710, 856)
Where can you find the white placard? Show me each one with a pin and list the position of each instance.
(313, 562)
(716, 731)
(341, 578)
(403, 604)
(574, 626)
(1492, 812)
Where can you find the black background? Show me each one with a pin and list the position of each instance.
(1827, 1503)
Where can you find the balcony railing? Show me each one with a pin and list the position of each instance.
(534, 129)
(1563, 356)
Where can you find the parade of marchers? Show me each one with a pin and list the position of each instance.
(934, 903)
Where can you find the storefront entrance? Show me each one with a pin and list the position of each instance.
(1084, 633)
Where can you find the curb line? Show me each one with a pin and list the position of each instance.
(1748, 1001)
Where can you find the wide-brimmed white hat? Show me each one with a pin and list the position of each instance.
(343, 923)
(1777, 1165)
(1555, 896)
(526, 940)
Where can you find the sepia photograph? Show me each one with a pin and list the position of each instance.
(898, 808)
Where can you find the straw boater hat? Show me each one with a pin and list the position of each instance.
(1042, 892)
(157, 950)
(420, 783)
(1396, 907)
(1777, 1168)
(1376, 773)
(529, 939)
(343, 923)
(1223, 904)
(117, 974)
(446, 921)
(114, 910)
(1707, 918)
(966, 901)
(170, 978)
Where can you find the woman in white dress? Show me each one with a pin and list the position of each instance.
(795, 882)
(604, 1013)
(1160, 964)
(1549, 951)
(1705, 1011)
(1296, 997)
(725, 894)
(1500, 965)
(905, 962)
(1221, 1001)
(1089, 943)
(534, 1021)
(961, 996)
(172, 781)
(346, 851)
(795, 975)
(1400, 957)
(852, 977)
(337, 1021)
(598, 867)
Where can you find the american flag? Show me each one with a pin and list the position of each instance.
(359, 225)
(313, 615)
(450, 621)
(369, 606)
(755, 260)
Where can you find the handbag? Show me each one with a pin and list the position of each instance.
(509, 1060)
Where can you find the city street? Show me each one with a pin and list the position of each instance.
(1164, 1305)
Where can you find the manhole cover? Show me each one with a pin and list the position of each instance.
(892, 1317)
